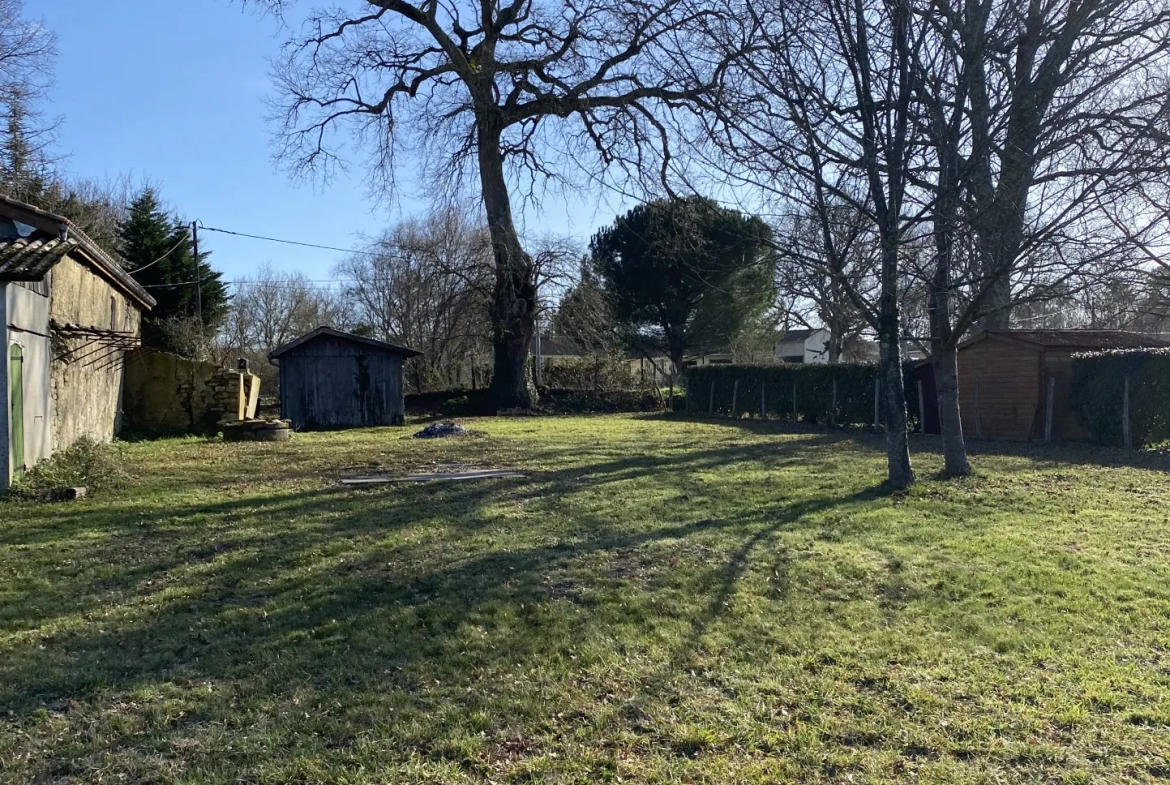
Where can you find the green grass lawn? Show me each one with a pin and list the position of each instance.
(659, 601)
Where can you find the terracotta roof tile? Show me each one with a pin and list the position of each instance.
(25, 259)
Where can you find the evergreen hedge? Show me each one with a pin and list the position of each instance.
(812, 386)
(1098, 390)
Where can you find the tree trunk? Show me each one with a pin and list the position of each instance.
(901, 473)
(513, 305)
(945, 363)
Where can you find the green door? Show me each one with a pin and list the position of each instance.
(16, 420)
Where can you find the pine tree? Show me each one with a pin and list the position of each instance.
(158, 252)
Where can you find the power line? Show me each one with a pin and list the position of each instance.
(289, 242)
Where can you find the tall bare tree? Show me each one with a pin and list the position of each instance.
(811, 283)
(27, 53)
(821, 115)
(513, 90)
(428, 284)
(1045, 126)
(270, 309)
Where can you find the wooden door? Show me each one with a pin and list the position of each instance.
(16, 415)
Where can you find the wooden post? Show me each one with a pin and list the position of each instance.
(734, 397)
(833, 413)
(979, 415)
(711, 400)
(763, 400)
(877, 397)
(1048, 411)
(1126, 437)
(921, 410)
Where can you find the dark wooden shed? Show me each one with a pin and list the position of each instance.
(1005, 378)
(331, 379)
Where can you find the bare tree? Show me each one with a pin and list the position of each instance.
(1044, 125)
(1066, 106)
(810, 283)
(514, 90)
(820, 115)
(426, 284)
(27, 53)
(270, 309)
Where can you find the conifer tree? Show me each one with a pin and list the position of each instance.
(158, 253)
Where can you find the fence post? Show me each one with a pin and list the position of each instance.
(1048, 412)
(921, 410)
(734, 397)
(711, 400)
(877, 397)
(794, 416)
(1126, 436)
(763, 400)
(833, 413)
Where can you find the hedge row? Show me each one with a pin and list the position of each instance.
(471, 403)
(1098, 394)
(793, 392)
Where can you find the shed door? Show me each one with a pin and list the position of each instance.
(16, 418)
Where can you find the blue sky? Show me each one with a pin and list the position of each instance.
(172, 91)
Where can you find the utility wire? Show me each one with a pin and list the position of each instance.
(289, 242)
(137, 270)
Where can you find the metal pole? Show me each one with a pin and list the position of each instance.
(711, 400)
(734, 397)
(763, 400)
(877, 396)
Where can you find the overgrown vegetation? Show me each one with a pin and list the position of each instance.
(658, 601)
(1098, 392)
(88, 463)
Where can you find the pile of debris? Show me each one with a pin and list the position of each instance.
(441, 430)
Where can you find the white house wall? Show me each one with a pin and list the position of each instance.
(27, 323)
(5, 404)
(816, 347)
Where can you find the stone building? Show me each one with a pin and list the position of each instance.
(68, 314)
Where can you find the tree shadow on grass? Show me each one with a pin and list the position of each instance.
(224, 592)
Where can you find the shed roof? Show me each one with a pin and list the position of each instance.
(340, 335)
(23, 258)
(560, 346)
(1069, 339)
(801, 335)
(29, 258)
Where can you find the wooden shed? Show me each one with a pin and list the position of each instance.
(331, 379)
(1009, 380)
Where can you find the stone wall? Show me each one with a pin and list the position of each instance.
(168, 393)
(87, 384)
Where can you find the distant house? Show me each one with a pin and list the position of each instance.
(1010, 379)
(804, 346)
(559, 347)
(68, 313)
(331, 380)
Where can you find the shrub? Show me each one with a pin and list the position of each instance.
(810, 385)
(599, 373)
(1098, 389)
(94, 465)
(554, 401)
